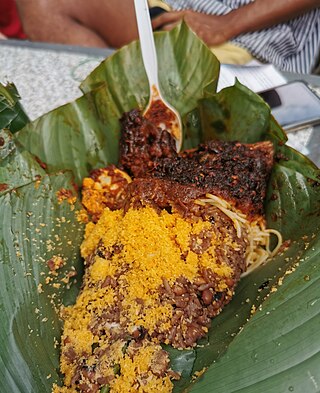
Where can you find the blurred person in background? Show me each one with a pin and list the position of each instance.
(285, 33)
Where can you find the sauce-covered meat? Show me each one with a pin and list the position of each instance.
(234, 171)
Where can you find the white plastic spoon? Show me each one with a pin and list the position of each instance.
(158, 110)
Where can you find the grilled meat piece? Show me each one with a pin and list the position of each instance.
(234, 171)
(162, 194)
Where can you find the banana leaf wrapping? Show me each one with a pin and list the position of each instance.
(12, 115)
(266, 339)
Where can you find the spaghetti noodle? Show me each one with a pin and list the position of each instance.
(258, 249)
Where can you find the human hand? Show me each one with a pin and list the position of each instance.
(212, 29)
(2, 36)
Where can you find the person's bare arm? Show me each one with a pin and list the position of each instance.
(265, 13)
(79, 22)
(254, 16)
(49, 22)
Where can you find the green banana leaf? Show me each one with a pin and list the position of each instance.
(277, 349)
(91, 123)
(17, 166)
(35, 226)
(186, 70)
(292, 207)
(74, 137)
(12, 115)
(274, 349)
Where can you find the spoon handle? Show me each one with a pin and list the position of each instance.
(148, 49)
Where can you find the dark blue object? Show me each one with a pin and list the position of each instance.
(156, 11)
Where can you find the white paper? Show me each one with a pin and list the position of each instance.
(255, 77)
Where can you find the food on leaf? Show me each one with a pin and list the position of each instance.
(164, 258)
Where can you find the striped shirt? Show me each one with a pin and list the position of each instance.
(291, 46)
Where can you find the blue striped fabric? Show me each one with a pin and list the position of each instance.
(291, 46)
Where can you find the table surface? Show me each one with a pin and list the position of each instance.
(48, 75)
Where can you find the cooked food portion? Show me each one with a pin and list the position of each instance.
(105, 187)
(152, 277)
(234, 171)
(142, 144)
(164, 257)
